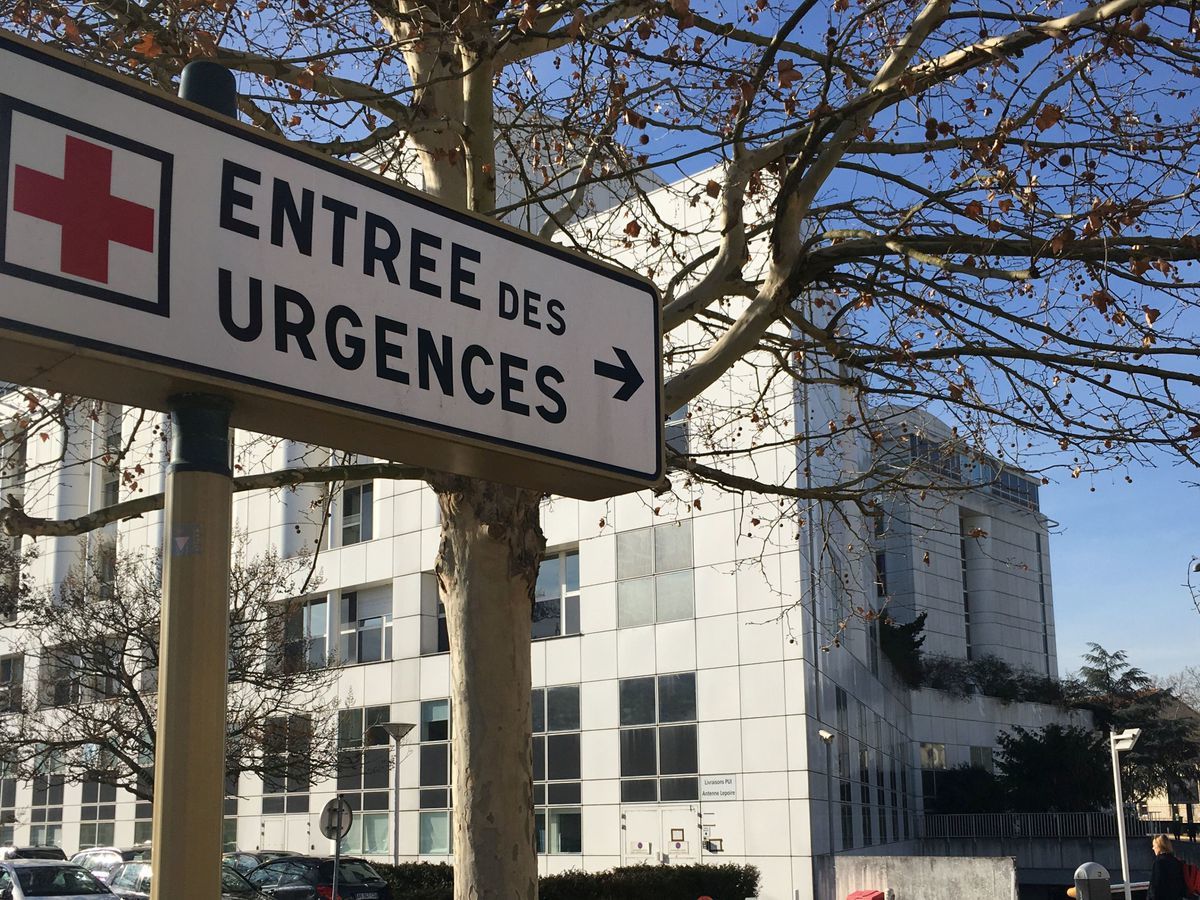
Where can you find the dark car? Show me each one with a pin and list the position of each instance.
(27, 879)
(32, 853)
(102, 861)
(246, 861)
(311, 878)
(131, 881)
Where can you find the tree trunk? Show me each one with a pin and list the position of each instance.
(487, 564)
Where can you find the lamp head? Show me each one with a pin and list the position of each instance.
(1124, 740)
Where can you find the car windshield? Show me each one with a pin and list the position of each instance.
(351, 872)
(57, 881)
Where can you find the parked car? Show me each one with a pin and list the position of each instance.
(311, 878)
(25, 879)
(32, 853)
(102, 861)
(131, 881)
(246, 861)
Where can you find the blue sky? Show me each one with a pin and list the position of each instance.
(1119, 559)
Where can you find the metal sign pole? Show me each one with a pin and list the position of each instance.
(189, 762)
(337, 848)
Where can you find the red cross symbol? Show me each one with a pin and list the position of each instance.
(82, 203)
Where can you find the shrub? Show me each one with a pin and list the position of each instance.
(435, 881)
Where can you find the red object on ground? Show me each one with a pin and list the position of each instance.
(865, 895)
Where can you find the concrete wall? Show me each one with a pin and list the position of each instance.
(928, 878)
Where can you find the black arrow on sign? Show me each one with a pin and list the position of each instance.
(626, 373)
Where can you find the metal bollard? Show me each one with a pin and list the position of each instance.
(1092, 882)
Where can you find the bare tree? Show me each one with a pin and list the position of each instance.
(978, 208)
(94, 641)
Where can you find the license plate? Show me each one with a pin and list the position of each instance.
(370, 895)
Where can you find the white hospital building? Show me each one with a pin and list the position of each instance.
(703, 689)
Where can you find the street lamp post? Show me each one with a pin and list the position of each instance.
(1119, 742)
(396, 731)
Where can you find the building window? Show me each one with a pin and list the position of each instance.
(46, 813)
(59, 678)
(933, 756)
(356, 524)
(556, 769)
(675, 430)
(558, 830)
(12, 483)
(12, 675)
(362, 780)
(434, 835)
(110, 461)
(443, 632)
(365, 625)
(304, 635)
(228, 835)
(97, 815)
(964, 548)
(8, 805)
(287, 741)
(556, 596)
(658, 739)
(104, 569)
(654, 572)
(981, 758)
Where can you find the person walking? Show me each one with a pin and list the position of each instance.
(1166, 876)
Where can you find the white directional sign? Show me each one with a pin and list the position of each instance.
(148, 247)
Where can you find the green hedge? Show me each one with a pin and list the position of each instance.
(430, 881)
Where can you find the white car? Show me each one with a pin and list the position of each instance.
(26, 879)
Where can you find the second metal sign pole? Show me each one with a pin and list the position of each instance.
(189, 759)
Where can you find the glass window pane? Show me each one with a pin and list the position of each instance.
(537, 705)
(633, 553)
(644, 790)
(434, 832)
(539, 833)
(367, 491)
(637, 701)
(370, 642)
(674, 596)
(571, 614)
(545, 619)
(562, 756)
(679, 789)
(549, 579)
(571, 571)
(375, 833)
(673, 546)
(350, 728)
(539, 759)
(638, 755)
(677, 750)
(434, 799)
(349, 770)
(635, 602)
(562, 708)
(564, 792)
(677, 697)
(435, 764)
(435, 720)
(376, 768)
(566, 831)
